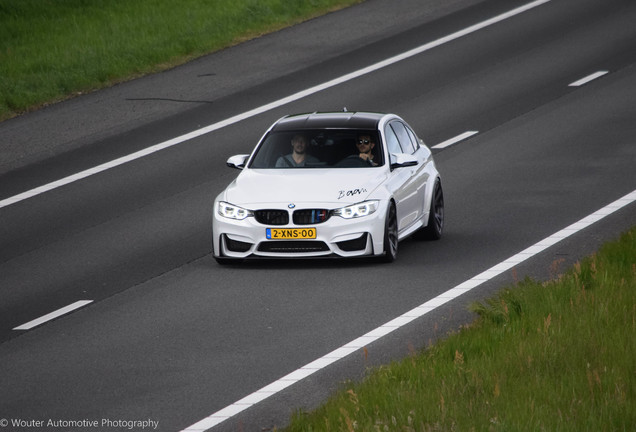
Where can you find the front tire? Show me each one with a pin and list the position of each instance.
(390, 235)
(435, 227)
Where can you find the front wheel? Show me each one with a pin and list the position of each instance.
(390, 235)
(433, 230)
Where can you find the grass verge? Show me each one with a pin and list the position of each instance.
(555, 356)
(52, 49)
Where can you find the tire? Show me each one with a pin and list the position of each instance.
(435, 226)
(390, 235)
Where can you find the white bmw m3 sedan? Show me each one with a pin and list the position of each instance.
(337, 184)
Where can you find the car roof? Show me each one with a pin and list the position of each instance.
(329, 120)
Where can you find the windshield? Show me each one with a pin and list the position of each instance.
(323, 148)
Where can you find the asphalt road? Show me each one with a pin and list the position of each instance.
(173, 337)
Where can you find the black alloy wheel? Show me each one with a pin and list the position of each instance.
(390, 235)
(433, 230)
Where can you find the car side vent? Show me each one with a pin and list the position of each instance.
(272, 217)
(235, 245)
(354, 245)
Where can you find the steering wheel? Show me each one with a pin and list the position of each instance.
(353, 161)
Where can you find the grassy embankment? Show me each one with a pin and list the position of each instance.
(553, 356)
(50, 50)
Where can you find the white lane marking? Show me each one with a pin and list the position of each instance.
(588, 78)
(53, 315)
(276, 104)
(455, 140)
(407, 317)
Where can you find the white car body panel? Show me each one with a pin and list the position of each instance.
(346, 186)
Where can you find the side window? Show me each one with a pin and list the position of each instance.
(392, 142)
(416, 142)
(403, 136)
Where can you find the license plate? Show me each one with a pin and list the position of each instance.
(290, 233)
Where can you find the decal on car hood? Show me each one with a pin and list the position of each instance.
(303, 186)
(351, 192)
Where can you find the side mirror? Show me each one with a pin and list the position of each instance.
(238, 161)
(401, 160)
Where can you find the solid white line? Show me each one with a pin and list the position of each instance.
(409, 316)
(276, 104)
(53, 315)
(588, 78)
(455, 140)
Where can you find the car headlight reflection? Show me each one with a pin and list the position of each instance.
(357, 210)
(231, 211)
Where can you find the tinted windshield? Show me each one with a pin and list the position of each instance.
(324, 148)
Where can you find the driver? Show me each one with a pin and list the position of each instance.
(365, 146)
(298, 157)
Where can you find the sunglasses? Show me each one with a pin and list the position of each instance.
(364, 141)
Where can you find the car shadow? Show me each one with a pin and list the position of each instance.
(300, 263)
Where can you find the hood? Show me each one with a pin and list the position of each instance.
(334, 186)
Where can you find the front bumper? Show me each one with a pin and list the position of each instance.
(336, 236)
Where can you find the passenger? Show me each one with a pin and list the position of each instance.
(298, 157)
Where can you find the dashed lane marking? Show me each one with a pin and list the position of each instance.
(55, 314)
(588, 78)
(455, 140)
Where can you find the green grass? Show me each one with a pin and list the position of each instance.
(52, 49)
(552, 356)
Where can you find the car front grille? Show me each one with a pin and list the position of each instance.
(272, 217)
(300, 217)
(293, 246)
(310, 216)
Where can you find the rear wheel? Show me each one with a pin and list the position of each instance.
(390, 235)
(433, 230)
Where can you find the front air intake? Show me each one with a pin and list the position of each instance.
(293, 246)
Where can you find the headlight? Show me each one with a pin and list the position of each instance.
(357, 210)
(233, 212)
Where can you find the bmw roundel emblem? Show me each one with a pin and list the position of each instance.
(292, 205)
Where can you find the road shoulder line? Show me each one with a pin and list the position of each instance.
(264, 108)
(415, 313)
